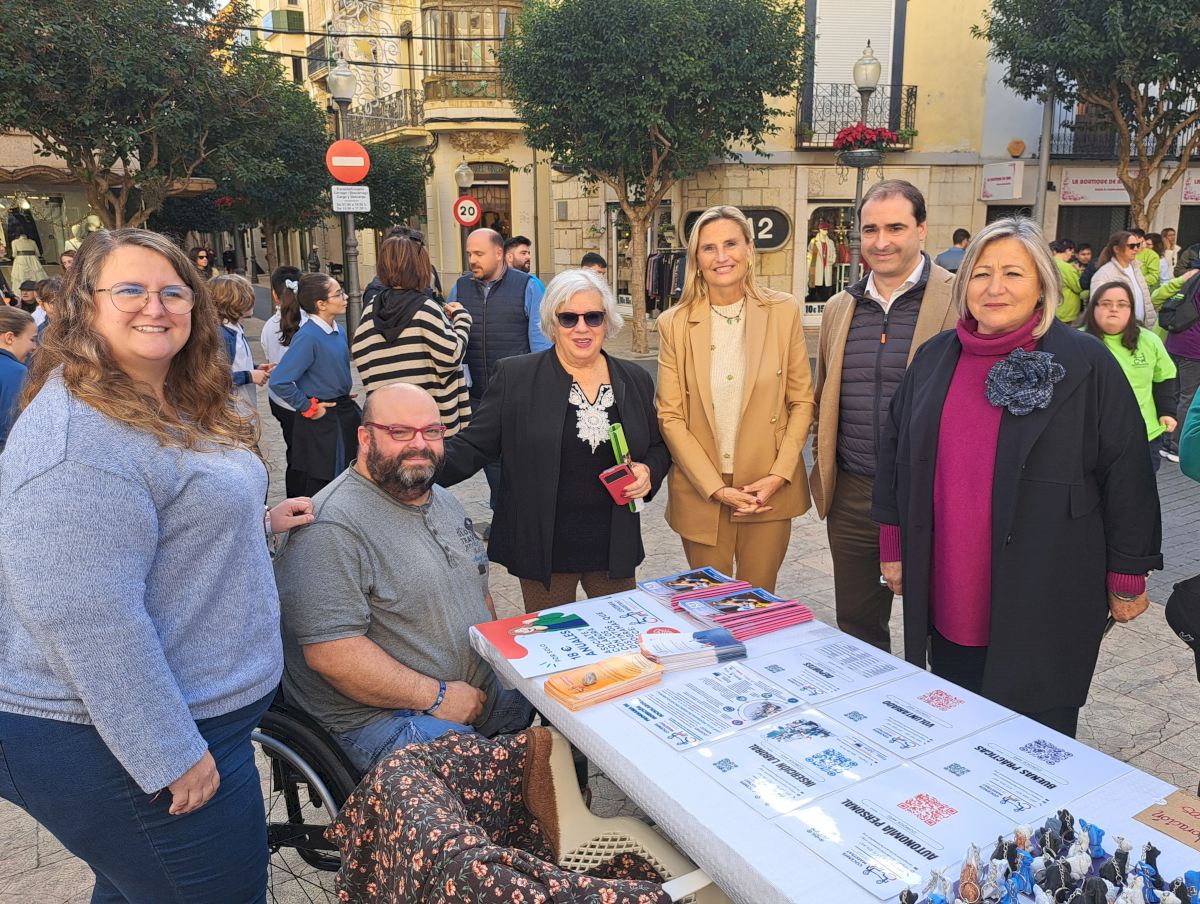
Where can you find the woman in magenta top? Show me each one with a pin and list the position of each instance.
(1014, 494)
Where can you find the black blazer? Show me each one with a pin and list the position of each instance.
(520, 424)
(1073, 497)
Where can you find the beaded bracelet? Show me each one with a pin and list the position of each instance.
(440, 697)
(312, 409)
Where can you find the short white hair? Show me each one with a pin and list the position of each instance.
(566, 286)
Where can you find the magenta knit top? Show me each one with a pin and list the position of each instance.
(960, 592)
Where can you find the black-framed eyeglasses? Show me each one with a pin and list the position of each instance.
(402, 433)
(130, 298)
(568, 319)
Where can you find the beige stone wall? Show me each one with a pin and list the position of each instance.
(578, 231)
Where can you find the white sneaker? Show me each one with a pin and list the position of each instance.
(1169, 456)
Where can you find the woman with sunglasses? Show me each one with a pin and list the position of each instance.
(1118, 262)
(546, 417)
(314, 379)
(202, 260)
(141, 644)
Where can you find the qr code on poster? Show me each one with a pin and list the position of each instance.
(941, 700)
(831, 762)
(855, 716)
(957, 769)
(773, 668)
(928, 809)
(1048, 753)
(725, 765)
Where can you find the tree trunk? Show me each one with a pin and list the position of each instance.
(1138, 188)
(268, 230)
(637, 278)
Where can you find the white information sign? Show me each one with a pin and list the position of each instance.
(778, 766)
(1191, 187)
(351, 198)
(828, 669)
(1003, 181)
(890, 831)
(703, 706)
(1023, 769)
(915, 714)
(1091, 186)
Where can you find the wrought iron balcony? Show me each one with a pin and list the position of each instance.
(827, 108)
(1090, 134)
(465, 86)
(402, 109)
(320, 57)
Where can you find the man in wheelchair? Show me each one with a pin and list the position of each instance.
(378, 594)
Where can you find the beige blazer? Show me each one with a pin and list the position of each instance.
(937, 314)
(777, 411)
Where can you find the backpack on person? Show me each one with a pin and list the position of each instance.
(1181, 311)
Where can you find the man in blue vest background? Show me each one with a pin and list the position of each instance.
(504, 304)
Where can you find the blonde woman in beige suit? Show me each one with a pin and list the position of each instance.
(735, 403)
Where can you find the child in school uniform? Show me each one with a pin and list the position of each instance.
(18, 337)
(314, 378)
(233, 297)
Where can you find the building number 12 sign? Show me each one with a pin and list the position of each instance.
(771, 226)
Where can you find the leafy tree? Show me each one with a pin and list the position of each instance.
(127, 93)
(1134, 61)
(638, 94)
(397, 183)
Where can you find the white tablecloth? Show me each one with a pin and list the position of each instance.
(753, 860)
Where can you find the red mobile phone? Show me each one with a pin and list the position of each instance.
(615, 479)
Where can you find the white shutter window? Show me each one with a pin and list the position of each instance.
(843, 29)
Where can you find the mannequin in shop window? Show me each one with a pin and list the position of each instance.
(822, 254)
(26, 265)
(76, 239)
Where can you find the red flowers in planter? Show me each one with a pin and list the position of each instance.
(863, 136)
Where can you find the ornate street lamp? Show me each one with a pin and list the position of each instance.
(342, 84)
(464, 178)
(866, 80)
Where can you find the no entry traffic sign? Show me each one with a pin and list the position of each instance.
(347, 161)
(467, 211)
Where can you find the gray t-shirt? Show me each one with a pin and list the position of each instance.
(411, 578)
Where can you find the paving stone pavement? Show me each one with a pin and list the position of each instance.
(1143, 706)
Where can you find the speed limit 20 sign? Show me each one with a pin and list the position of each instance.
(467, 211)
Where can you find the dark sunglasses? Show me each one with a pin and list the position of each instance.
(568, 319)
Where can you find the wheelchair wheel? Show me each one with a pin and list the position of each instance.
(305, 781)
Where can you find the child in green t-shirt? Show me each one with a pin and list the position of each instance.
(1141, 354)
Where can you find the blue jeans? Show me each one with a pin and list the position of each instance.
(64, 776)
(364, 746)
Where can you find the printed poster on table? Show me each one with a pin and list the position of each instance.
(915, 714)
(783, 764)
(702, 706)
(564, 637)
(1022, 769)
(888, 832)
(831, 668)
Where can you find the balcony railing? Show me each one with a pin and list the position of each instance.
(320, 57)
(1091, 135)
(827, 108)
(468, 86)
(398, 110)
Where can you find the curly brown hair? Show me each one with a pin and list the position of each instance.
(200, 410)
(232, 296)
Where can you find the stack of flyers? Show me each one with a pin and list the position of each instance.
(687, 651)
(603, 680)
(698, 581)
(748, 613)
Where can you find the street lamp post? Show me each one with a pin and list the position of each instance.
(866, 79)
(342, 84)
(464, 178)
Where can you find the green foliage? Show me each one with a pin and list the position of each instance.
(129, 93)
(397, 183)
(645, 92)
(1134, 61)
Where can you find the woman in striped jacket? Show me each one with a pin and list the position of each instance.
(405, 336)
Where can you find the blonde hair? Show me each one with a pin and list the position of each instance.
(694, 286)
(200, 412)
(232, 295)
(1025, 231)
